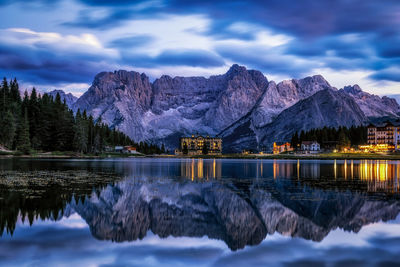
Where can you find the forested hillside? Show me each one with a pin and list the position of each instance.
(42, 123)
(330, 137)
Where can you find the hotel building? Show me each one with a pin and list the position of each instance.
(195, 145)
(386, 137)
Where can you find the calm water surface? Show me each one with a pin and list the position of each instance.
(182, 212)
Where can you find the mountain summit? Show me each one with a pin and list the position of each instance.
(241, 105)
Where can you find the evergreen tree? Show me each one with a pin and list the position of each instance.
(343, 139)
(23, 143)
(14, 91)
(163, 148)
(7, 129)
(81, 132)
(4, 95)
(295, 140)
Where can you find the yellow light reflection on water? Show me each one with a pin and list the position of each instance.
(200, 169)
(214, 168)
(192, 169)
(380, 175)
(335, 169)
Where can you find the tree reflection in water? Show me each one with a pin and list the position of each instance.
(238, 201)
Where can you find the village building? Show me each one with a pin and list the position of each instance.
(129, 150)
(310, 147)
(280, 148)
(126, 149)
(197, 145)
(118, 149)
(384, 137)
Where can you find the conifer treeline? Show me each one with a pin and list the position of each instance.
(45, 124)
(332, 137)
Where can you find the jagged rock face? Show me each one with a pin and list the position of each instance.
(285, 94)
(172, 106)
(243, 89)
(241, 106)
(247, 132)
(128, 210)
(240, 217)
(328, 107)
(373, 105)
(119, 98)
(69, 98)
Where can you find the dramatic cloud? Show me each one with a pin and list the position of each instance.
(193, 58)
(376, 245)
(50, 57)
(282, 38)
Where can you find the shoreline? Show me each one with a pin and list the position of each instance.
(322, 156)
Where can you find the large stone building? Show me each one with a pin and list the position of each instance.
(387, 135)
(194, 145)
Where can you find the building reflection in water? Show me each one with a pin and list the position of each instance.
(201, 169)
(379, 175)
(375, 175)
(290, 169)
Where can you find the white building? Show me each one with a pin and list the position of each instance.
(310, 146)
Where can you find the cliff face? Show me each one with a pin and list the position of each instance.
(240, 105)
(240, 217)
(280, 96)
(120, 99)
(328, 107)
(373, 105)
(172, 106)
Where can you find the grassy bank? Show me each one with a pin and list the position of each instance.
(67, 155)
(392, 156)
(58, 154)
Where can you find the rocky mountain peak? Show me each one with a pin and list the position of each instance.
(242, 102)
(235, 69)
(69, 98)
(373, 106)
(355, 89)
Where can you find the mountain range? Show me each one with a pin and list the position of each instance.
(242, 106)
(127, 210)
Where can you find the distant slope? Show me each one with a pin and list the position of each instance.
(328, 107)
(325, 108)
(373, 106)
(70, 99)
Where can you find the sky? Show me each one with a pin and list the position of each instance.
(48, 243)
(56, 44)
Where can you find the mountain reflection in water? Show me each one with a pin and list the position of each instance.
(237, 201)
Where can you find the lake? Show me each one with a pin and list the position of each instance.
(187, 212)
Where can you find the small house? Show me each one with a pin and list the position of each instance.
(310, 146)
(280, 148)
(129, 150)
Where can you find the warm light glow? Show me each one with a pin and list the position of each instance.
(200, 168)
(214, 168)
(335, 169)
(192, 169)
(298, 169)
(377, 148)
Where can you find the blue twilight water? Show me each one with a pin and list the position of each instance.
(181, 212)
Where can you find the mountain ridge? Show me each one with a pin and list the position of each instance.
(169, 107)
